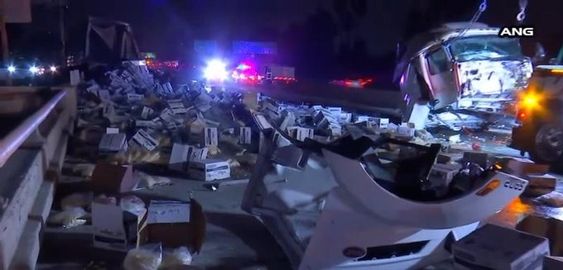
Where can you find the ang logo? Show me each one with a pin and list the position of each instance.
(516, 31)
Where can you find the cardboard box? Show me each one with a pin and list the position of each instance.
(209, 169)
(382, 122)
(476, 157)
(522, 167)
(114, 228)
(211, 136)
(552, 263)
(146, 112)
(145, 140)
(335, 111)
(540, 184)
(345, 117)
(167, 115)
(245, 136)
(441, 175)
(174, 224)
(335, 130)
(301, 133)
(181, 155)
(112, 179)
(288, 119)
(405, 131)
(113, 143)
(550, 228)
(495, 247)
(262, 122)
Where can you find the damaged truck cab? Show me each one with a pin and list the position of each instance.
(462, 66)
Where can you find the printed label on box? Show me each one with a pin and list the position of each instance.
(211, 136)
(145, 140)
(134, 97)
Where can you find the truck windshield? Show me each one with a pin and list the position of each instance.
(482, 48)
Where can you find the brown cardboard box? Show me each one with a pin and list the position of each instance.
(522, 167)
(112, 179)
(550, 228)
(173, 224)
(540, 184)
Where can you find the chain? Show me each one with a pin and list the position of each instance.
(522, 14)
(475, 18)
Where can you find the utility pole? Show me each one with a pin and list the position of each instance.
(61, 10)
(4, 33)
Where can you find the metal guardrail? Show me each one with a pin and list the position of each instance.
(11, 142)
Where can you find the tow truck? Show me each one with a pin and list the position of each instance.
(540, 114)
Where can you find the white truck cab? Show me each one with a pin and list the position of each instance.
(462, 65)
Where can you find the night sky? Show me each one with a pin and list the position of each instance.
(313, 34)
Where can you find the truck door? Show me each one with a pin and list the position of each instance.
(441, 75)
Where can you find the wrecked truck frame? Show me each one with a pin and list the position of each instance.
(461, 66)
(326, 209)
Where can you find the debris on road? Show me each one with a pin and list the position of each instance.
(517, 250)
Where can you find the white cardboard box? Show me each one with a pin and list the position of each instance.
(182, 154)
(209, 169)
(111, 224)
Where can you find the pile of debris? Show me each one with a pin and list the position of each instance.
(130, 117)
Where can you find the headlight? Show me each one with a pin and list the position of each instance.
(53, 69)
(34, 70)
(11, 69)
(216, 70)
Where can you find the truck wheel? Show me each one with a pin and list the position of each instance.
(548, 145)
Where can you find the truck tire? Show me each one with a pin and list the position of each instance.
(548, 145)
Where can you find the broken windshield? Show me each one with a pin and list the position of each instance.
(482, 48)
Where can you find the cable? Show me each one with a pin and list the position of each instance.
(475, 18)
(522, 14)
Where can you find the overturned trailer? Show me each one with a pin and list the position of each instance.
(461, 66)
(351, 205)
